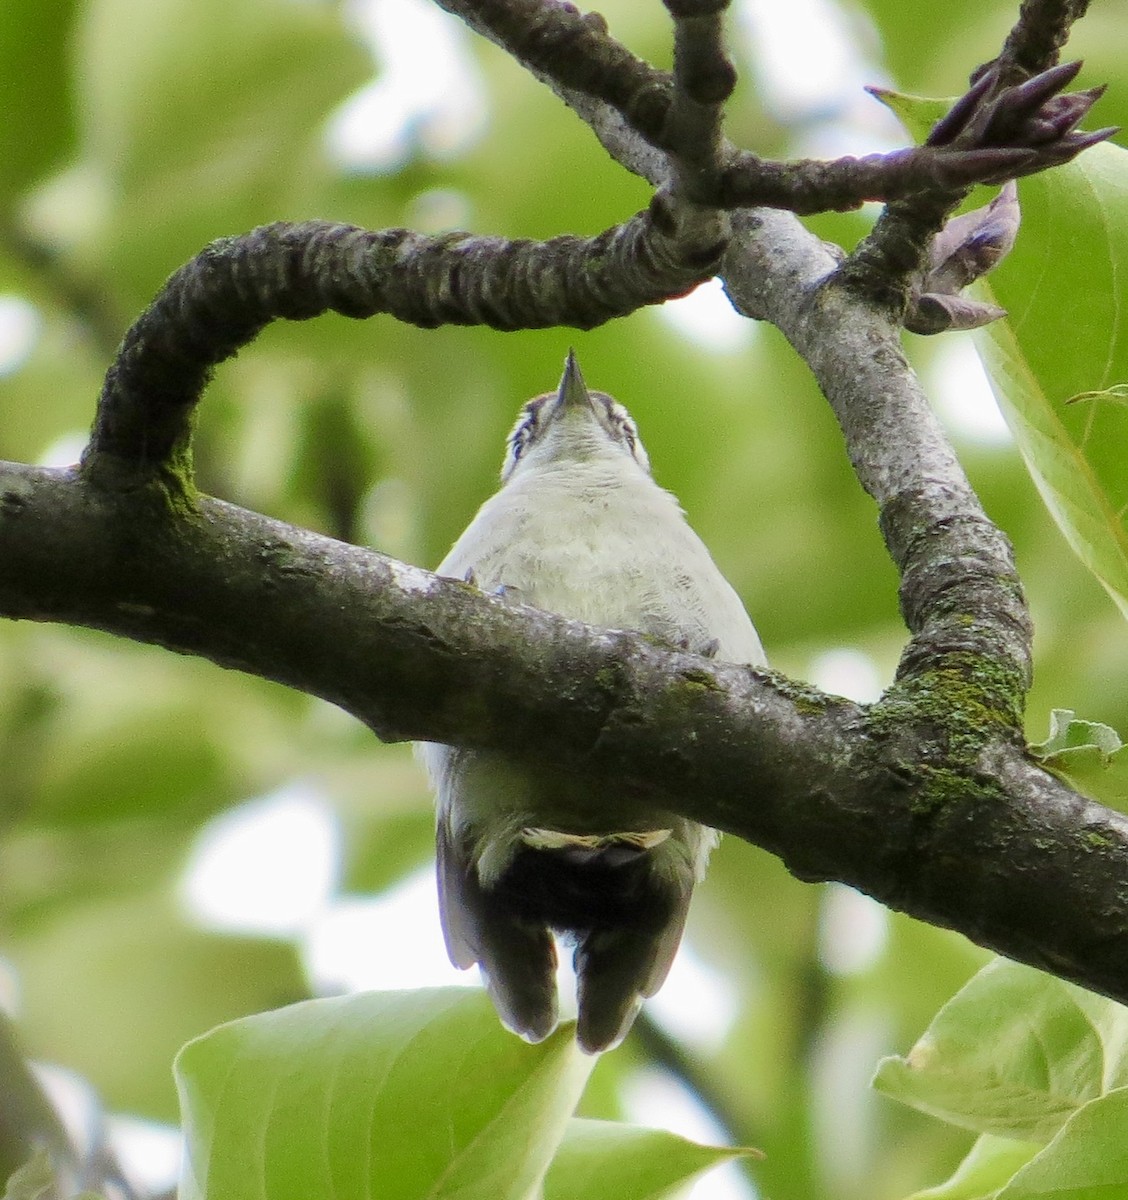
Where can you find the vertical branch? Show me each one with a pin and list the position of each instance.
(1036, 40)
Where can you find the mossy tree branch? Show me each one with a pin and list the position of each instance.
(924, 800)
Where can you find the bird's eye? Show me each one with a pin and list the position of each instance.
(628, 431)
(524, 434)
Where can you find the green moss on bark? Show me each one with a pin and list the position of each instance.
(953, 711)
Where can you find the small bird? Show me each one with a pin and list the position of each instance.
(580, 528)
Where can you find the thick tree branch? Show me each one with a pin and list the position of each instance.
(887, 798)
(968, 660)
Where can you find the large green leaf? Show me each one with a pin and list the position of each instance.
(1063, 287)
(1088, 1160)
(391, 1095)
(1015, 1053)
(600, 1159)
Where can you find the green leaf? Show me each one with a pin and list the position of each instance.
(598, 1159)
(1088, 770)
(1089, 756)
(390, 1095)
(990, 1164)
(1015, 1053)
(1065, 336)
(918, 114)
(1069, 733)
(1088, 1160)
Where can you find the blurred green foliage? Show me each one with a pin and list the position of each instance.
(132, 135)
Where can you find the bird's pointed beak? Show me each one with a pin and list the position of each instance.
(572, 392)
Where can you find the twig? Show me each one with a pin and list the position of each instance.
(1030, 119)
(1004, 104)
(704, 78)
(1036, 40)
(630, 107)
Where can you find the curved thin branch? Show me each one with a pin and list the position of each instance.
(221, 300)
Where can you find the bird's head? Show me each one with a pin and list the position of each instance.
(572, 424)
